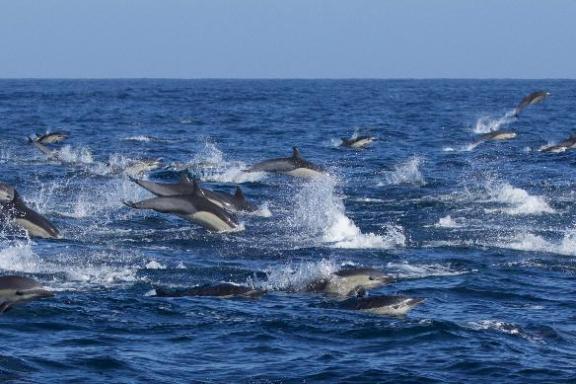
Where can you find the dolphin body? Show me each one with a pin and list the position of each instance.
(350, 281)
(294, 165)
(533, 98)
(499, 135)
(381, 305)
(185, 186)
(569, 143)
(359, 142)
(50, 154)
(51, 138)
(13, 207)
(222, 290)
(194, 207)
(18, 290)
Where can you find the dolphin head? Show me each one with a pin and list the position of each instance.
(7, 193)
(361, 277)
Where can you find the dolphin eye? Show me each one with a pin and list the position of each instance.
(370, 278)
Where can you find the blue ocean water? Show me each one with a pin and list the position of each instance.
(484, 234)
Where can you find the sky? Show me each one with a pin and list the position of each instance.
(288, 39)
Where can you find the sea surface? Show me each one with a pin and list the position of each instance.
(485, 234)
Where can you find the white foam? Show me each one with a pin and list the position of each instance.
(295, 277)
(404, 270)
(488, 124)
(407, 172)
(518, 200)
(534, 243)
(68, 154)
(495, 325)
(448, 222)
(143, 138)
(320, 213)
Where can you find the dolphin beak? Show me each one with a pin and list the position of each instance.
(38, 292)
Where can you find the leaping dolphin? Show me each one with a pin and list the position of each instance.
(13, 207)
(222, 290)
(194, 207)
(359, 142)
(18, 290)
(185, 186)
(569, 143)
(533, 98)
(499, 135)
(51, 137)
(349, 281)
(381, 305)
(294, 165)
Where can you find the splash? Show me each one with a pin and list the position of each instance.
(534, 243)
(488, 124)
(295, 277)
(405, 173)
(320, 213)
(519, 201)
(447, 222)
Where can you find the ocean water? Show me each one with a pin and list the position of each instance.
(485, 234)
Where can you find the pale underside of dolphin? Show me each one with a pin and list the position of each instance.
(194, 207)
(350, 281)
(563, 146)
(17, 290)
(499, 135)
(13, 207)
(358, 142)
(294, 165)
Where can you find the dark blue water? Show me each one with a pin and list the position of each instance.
(486, 235)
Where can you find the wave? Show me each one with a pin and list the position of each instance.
(407, 172)
(143, 138)
(534, 243)
(319, 212)
(488, 124)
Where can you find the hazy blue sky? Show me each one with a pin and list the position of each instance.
(288, 38)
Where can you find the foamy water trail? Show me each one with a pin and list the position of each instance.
(405, 270)
(319, 212)
(407, 172)
(488, 124)
(534, 243)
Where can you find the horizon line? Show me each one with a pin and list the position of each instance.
(289, 78)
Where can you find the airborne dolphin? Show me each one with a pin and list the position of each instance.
(18, 289)
(533, 98)
(381, 305)
(357, 142)
(194, 207)
(499, 135)
(294, 165)
(569, 143)
(222, 290)
(13, 207)
(185, 186)
(348, 281)
(51, 138)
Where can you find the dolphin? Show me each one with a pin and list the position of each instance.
(569, 143)
(185, 186)
(533, 98)
(50, 154)
(19, 289)
(349, 281)
(194, 207)
(357, 142)
(222, 290)
(12, 206)
(381, 305)
(294, 165)
(51, 138)
(499, 135)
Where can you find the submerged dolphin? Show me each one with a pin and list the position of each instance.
(185, 186)
(381, 305)
(349, 281)
(533, 98)
(294, 165)
(13, 207)
(18, 289)
(194, 207)
(51, 138)
(222, 290)
(569, 143)
(357, 142)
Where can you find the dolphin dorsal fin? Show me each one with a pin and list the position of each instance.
(239, 195)
(197, 189)
(296, 153)
(185, 177)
